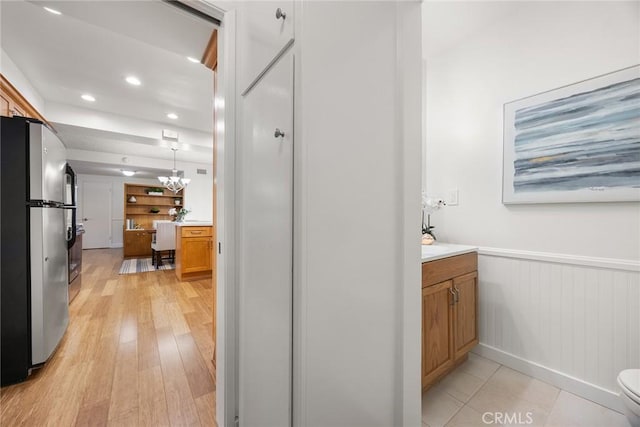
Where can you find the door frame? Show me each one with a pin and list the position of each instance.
(224, 181)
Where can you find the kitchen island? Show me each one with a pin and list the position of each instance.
(449, 308)
(194, 250)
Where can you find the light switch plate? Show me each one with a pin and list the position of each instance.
(452, 197)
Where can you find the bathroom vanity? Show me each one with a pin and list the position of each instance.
(449, 308)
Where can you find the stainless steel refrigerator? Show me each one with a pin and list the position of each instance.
(34, 302)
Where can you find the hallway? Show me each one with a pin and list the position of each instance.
(138, 351)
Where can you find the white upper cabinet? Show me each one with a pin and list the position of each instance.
(266, 29)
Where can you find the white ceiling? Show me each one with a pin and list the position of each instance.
(94, 45)
(83, 138)
(92, 168)
(446, 23)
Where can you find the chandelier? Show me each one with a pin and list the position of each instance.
(174, 182)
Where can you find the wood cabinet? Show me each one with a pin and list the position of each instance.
(139, 207)
(449, 314)
(13, 103)
(137, 243)
(464, 313)
(194, 247)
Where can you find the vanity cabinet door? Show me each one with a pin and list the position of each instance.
(437, 330)
(465, 313)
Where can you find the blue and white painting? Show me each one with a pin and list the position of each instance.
(579, 143)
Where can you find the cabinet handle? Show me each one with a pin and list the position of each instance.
(457, 291)
(278, 133)
(195, 232)
(453, 296)
(280, 14)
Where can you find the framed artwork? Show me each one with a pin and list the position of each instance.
(577, 143)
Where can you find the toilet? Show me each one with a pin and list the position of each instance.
(629, 383)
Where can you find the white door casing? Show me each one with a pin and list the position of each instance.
(96, 214)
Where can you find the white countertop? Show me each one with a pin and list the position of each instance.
(439, 250)
(194, 224)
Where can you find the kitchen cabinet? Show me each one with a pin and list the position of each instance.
(269, 30)
(137, 243)
(13, 103)
(194, 247)
(449, 314)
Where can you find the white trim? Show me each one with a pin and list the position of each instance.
(227, 300)
(206, 7)
(409, 127)
(604, 397)
(300, 235)
(610, 263)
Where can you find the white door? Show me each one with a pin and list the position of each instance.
(96, 214)
(266, 251)
(268, 29)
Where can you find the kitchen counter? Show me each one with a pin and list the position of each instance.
(194, 224)
(439, 250)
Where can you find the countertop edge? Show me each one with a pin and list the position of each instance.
(454, 252)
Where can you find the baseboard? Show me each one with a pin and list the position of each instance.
(565, 382)
(116, 245)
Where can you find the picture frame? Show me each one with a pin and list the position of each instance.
(577, 143)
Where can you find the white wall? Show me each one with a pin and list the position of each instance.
(198, 195)
(358, 271)
(16, 77)
(540, 46)
(117, 201)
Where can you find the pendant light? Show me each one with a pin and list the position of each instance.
(174, 182)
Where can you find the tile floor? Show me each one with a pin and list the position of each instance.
(481, 386)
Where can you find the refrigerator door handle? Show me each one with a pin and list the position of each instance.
(71, 234)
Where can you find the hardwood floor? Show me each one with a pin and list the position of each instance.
(137, 352)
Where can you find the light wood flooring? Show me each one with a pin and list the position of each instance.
(138, 352)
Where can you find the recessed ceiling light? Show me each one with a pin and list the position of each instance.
(172, 116)
(127, 173)
(194, 60)
(55, 12)
(88, 97)
(133, 80)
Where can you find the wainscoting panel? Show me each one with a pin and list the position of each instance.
(569, 321)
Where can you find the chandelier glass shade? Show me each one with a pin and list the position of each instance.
(174, 182)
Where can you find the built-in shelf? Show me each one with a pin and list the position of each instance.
(171, 196)
(138, 245)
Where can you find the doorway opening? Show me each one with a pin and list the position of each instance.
(124, 85)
